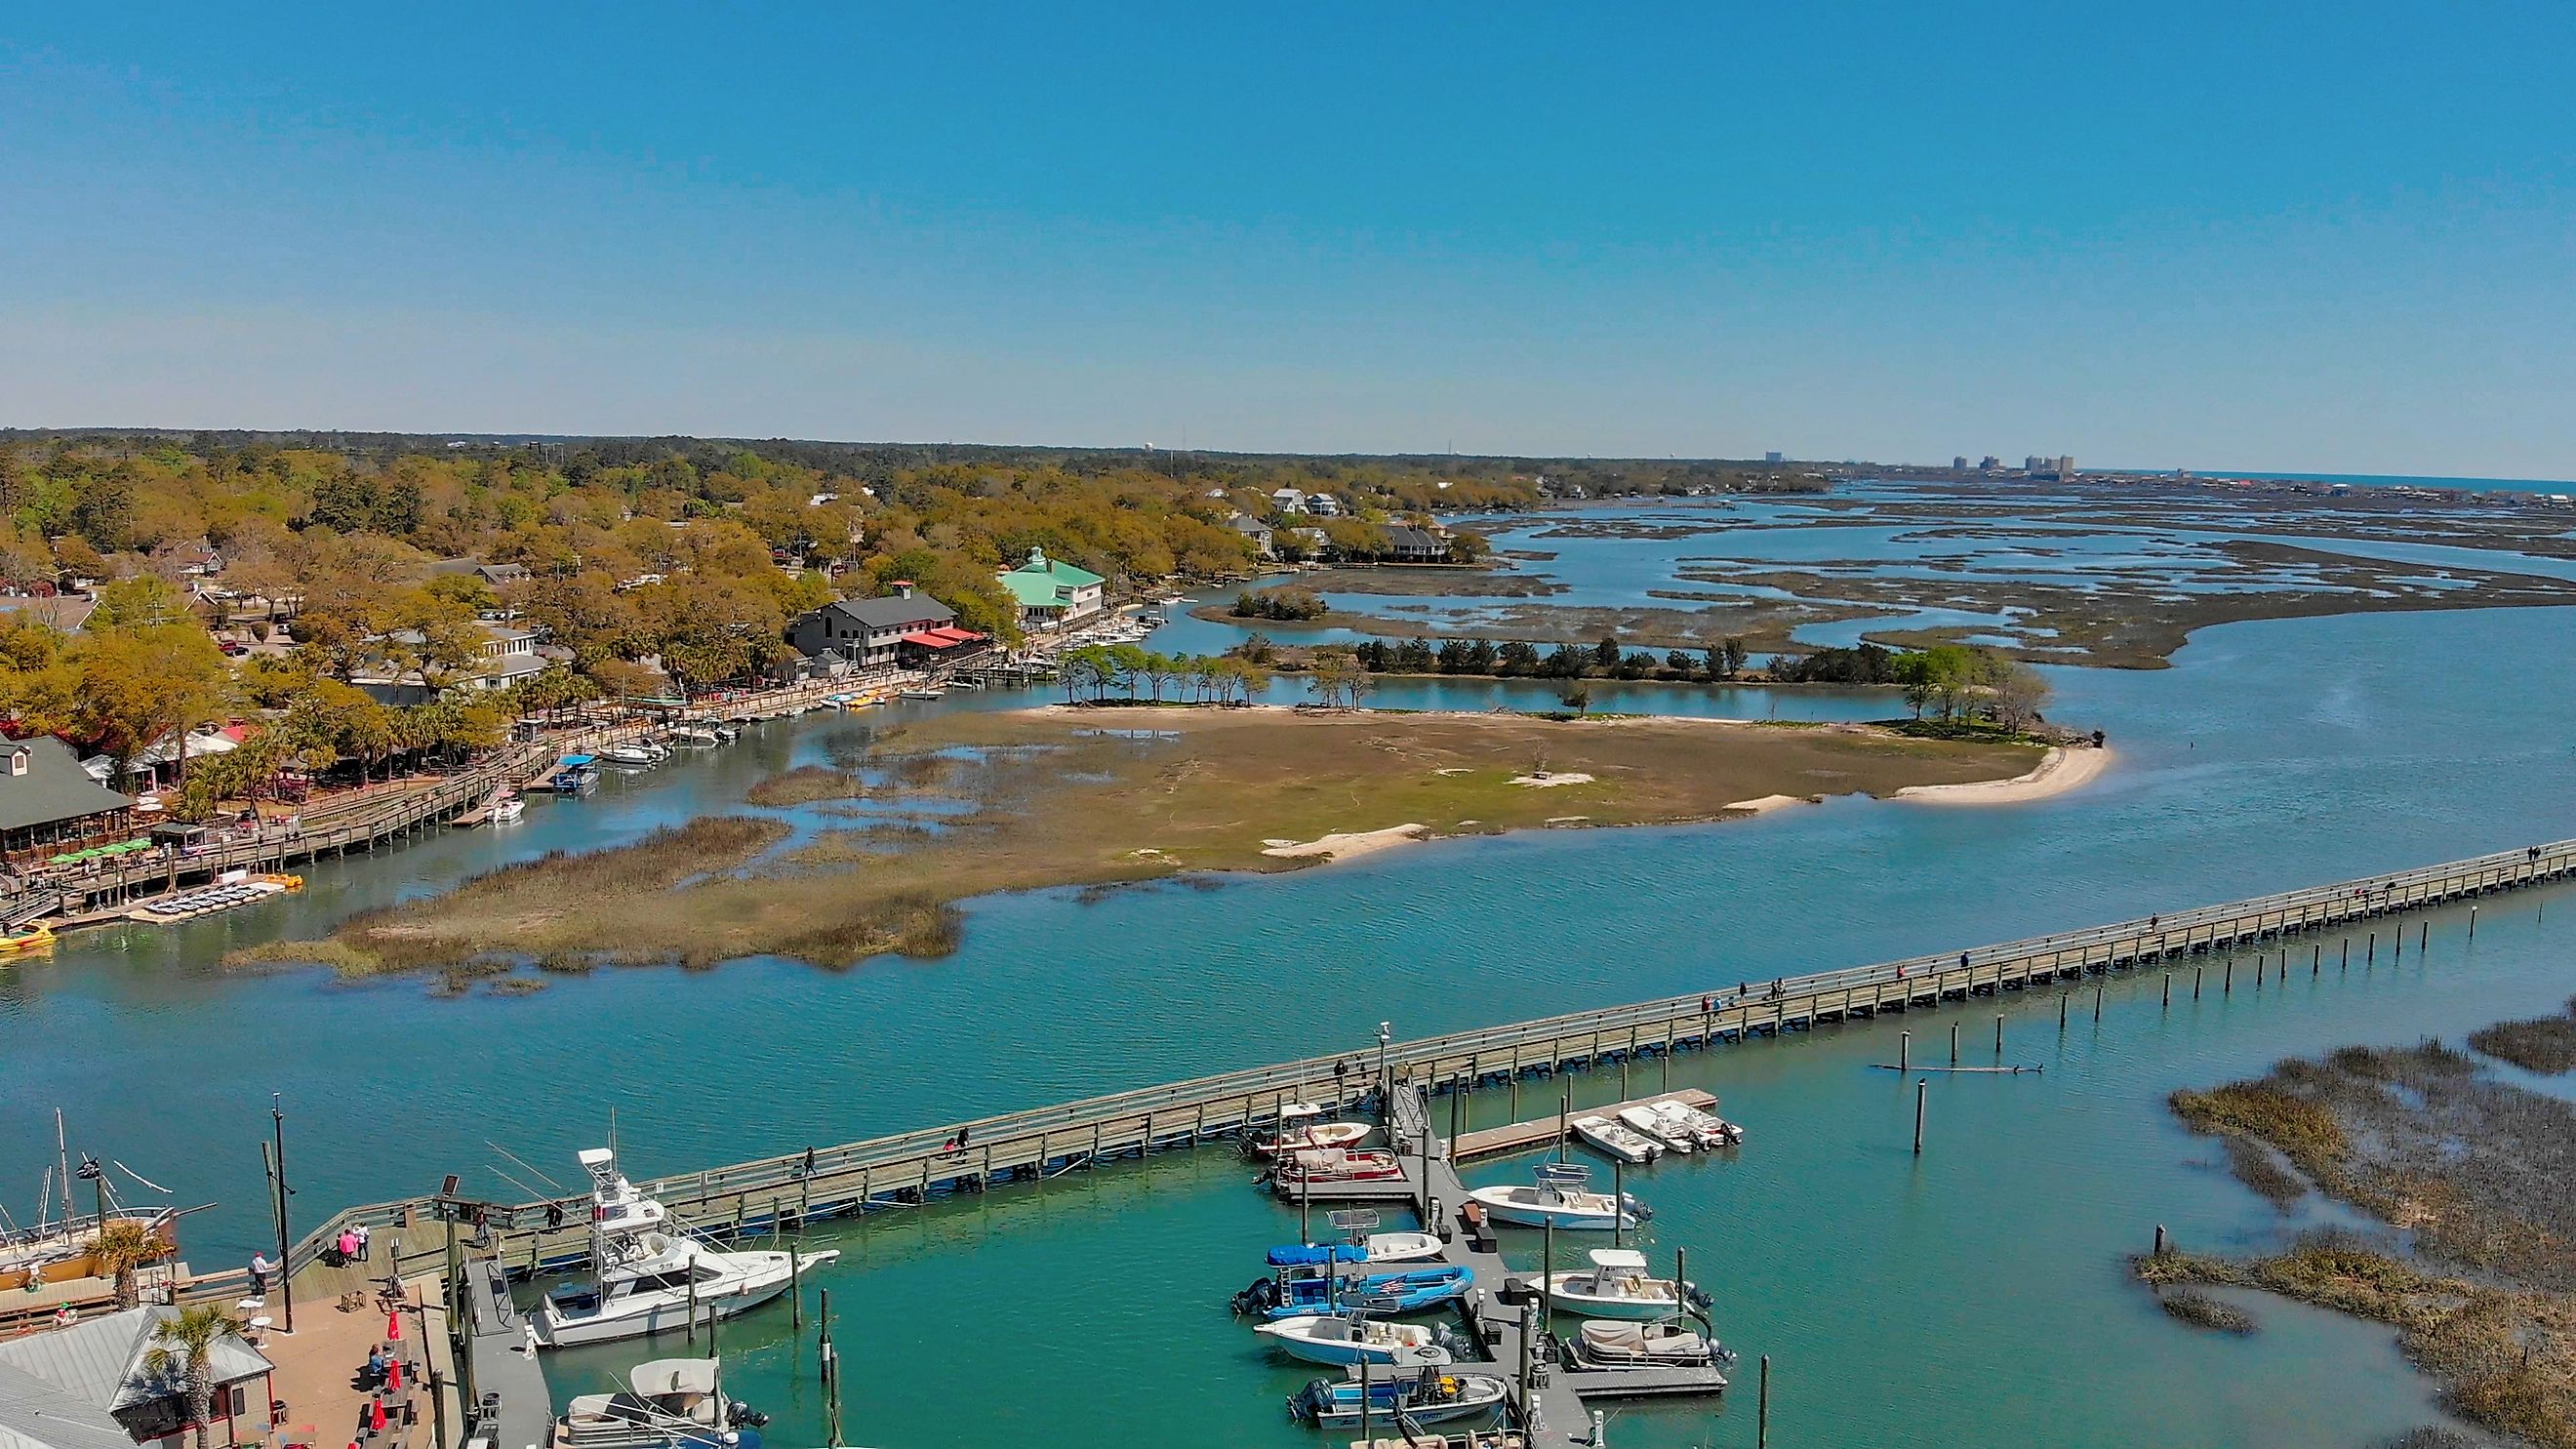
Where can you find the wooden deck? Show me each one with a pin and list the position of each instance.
(1030, 1146)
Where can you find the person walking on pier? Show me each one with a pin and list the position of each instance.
(260, 1268)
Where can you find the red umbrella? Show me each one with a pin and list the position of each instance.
(393, 1324)
(376, 1415)
(393, 1375)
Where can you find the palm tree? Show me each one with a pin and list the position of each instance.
(122, 1246)
(186, 1343)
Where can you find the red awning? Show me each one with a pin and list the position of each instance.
(926, 638)
(942, 638)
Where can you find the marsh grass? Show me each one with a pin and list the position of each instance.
(2203, 1310)
(806, 785)
(2261, 1168)
(2544, 1044)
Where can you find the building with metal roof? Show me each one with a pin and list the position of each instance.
(86, 1386)
(1051, 592)
(867, 632)
(47, 798)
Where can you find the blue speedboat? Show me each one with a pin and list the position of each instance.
(1295, 1291)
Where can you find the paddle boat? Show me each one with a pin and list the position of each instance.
(1316, 1166)
(1666, 1343)
(1617, 1285)
(1426, 1396)
(1301, 1289)
(1559, 1197)
(1605, 1136)
(1301, 1126)
(1341, 1338)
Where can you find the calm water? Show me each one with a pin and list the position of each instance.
(1973, 1298)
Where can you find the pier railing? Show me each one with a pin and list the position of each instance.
(910, 1167)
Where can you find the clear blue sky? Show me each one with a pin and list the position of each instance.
(2333, 237)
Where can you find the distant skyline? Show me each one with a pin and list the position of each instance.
(2333, 241)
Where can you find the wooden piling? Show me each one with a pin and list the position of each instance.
(1922, 1090)
(1954, 1043)
(1904, 1051)
(2097, 1005)
(2168, 991)
(2195, 982)
(1999, 1037)
(1762, 1415)
(2227, 983)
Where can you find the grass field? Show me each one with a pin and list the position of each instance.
(1101, 797)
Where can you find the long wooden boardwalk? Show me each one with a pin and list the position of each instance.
(1027, 1146)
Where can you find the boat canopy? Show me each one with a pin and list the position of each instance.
(1627, 1259)
(1306, 1255)
(665, 1376)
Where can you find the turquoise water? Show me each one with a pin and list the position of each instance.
(1974, 1298)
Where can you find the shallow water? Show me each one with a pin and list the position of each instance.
(1973, 1298)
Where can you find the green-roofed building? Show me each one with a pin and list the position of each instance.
(47, 799)
(1052, 593)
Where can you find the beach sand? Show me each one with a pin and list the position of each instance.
(1764, 803)
(1350, 845)
(2060, 770)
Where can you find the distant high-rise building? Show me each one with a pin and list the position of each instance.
(1990, 462)
(2033, 463)
(1772, 458)
(2065, 467)
(1959, 464)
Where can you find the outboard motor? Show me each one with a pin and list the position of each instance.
(740, 1415)
(1260, 1297)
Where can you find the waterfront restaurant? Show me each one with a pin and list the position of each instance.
(85, 1386)
(47, 799)
(1052, 593)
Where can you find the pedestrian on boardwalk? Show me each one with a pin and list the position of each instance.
(260, 1268)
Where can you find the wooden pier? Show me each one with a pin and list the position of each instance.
(1026, 1147)
(1541, 1132)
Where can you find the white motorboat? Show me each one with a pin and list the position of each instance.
(1646, 1123)
(1559, 1197)
(1605, 1136)
(1301, 1126)
(1336, 1338)
(632, 754)
(1374, 1248)
(1426, 1396)
(507, 809)
(649, 1276)
(670, 1403)
(1706, 1128)
(932, 692)
(1664, 1343)
(1617, 1285)
(695, 735)
(1478, 1439)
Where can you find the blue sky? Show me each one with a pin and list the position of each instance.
(2339, 238)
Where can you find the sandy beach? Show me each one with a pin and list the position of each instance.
(2059, 771)
(1350, 845)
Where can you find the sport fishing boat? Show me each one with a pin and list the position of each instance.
(671, 1403)
(1665, 1343)
(1605, 1136)
(1341, 1338)
(1559, 1197)
(1424, 1396)
(60, 1245)
(1375, 1248)
(1293, 1290)
(648, 1275)
(1681, 1119)
(1617, 1286)
(1318, 1166)
(1301, 1126)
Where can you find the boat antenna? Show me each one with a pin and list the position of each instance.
(63, 1154)
(532, 1169)
(612, 1130)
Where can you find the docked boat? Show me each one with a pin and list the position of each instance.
(1559, 1197)
(507, 809)
(1645, 1122)
(695, 736)
(931, 692)
(1480, 1439)
(1617, 1140)
(1319, 1166)
(632, 754)
(27, 940)
(1293, 1290)
(648, 1276)
(1665, 1343)
(1705, 1128)
(671, 1403)
(1424, 1396)
(1617, 1285)
(1340, 1338)
(1301, 1126)
(1374, 1248)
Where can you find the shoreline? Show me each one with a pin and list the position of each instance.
(2060, 770)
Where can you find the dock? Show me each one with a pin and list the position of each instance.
(508, 1407)
(1026, 1147)
(1529, 1136)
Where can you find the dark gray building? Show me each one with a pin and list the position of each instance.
(866, 632)
(47, 798)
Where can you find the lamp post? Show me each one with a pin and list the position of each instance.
(285, 1247)
(1385, 1084)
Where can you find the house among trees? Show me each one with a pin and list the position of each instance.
(1051, 593)
(86, 1386)
(1405, 544)
(47, 799)
(502, 654)
(1254, 529)
(881, 632)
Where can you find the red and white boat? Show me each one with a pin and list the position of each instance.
(1316, 1166)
